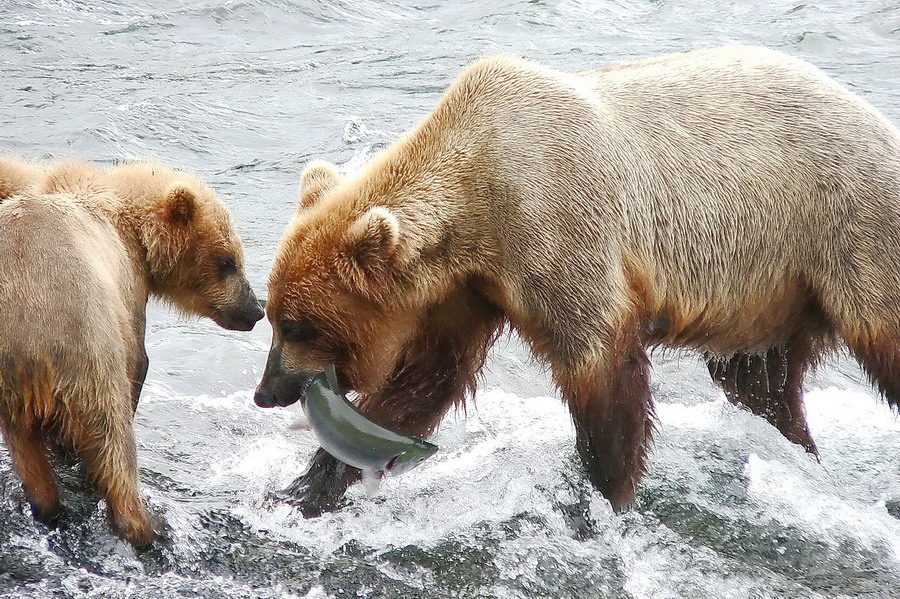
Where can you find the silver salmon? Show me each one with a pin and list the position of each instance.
(353, 438)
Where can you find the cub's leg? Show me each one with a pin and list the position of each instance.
(104, 439)
(138, 376)
(771, 386)
(612, 409)
(438, 371)
(138, 362)
(25, 441)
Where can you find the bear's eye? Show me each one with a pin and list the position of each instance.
(298, 332)
(227, 265)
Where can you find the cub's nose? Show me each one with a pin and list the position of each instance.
(256, 312)
(239, 318)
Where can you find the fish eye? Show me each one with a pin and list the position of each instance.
(298, 332)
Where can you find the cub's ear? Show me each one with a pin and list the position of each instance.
(372, 248)
(180, 205)
(317, 179)
(16, 176)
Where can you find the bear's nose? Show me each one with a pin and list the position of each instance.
(258, 312)
(265, 398)
(241, 318)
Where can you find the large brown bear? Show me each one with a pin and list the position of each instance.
(735, 201)
(80, 253)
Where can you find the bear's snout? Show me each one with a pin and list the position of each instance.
(280, 392)
(265, 398)
(279, 387)
(239, 318)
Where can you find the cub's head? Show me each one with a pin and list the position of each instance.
(195, 257)
(334, 291)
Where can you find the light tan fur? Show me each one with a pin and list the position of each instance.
(17, 175)
(726, 200)
(316, 179)
(80, 253)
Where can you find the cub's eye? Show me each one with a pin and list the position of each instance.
(227, 265)
(298, 332)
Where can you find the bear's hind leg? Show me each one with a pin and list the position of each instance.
(105, 443)
(771, 386)
(24, 438)
(879, 357)
(612, 410)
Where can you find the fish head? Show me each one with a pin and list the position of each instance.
(409, 459)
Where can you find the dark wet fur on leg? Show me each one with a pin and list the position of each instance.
(770, 385)
(613, 415)
(321, 488)
(879, 357)
(24, 436)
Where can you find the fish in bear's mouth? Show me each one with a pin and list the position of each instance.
(353, 437)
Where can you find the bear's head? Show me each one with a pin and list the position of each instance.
(335, 291)
(195, 257)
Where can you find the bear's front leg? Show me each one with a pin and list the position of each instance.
(438, 370)
(423, 388)
(414, 402)
(612, 410)
(321, 487)
(104, 440)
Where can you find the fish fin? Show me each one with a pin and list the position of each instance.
(390, 465)
(301, 423)
(371, 480)
(331, 377)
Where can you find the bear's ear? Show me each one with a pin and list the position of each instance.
(317, 179)
(372, 248)
(180, 205)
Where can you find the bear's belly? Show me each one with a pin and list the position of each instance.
(725, 327)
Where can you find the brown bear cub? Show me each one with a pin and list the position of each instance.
(80, 253)
(734, 201)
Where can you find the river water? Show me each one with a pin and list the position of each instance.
(244, 92)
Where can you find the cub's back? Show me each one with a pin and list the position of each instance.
(61, 270)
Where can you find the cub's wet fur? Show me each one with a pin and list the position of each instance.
(81, 251)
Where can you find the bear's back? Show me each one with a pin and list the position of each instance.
(769, 157)
(678, 177)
